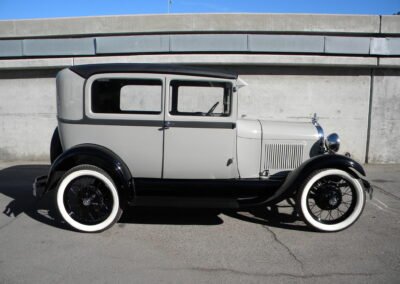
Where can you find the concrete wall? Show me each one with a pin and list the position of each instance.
(27, 114)
(384, 145)
(345, 68)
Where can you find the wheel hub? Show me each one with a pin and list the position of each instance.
(329, 197)
(91, 196)
(87, 201)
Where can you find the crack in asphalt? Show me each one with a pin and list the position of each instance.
(258, 274)
(291, 253)
(386, 192)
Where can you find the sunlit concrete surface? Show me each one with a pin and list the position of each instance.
(149, 245)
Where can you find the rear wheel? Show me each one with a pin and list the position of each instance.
(331, 200)
(87, 199)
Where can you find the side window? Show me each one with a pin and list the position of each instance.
(139, 96)
(200, 98)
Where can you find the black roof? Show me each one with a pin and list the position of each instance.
(91, 69)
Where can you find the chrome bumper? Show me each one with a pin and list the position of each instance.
(368, 188)
(39, 186)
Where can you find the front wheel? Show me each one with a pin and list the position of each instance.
(87, 199)
(330, 200)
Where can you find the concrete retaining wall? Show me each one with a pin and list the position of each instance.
(345, 68)
(27, 114)
(384, 145)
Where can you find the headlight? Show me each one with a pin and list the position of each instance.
(332, 142)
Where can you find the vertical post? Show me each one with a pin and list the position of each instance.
(371, 93)
(169, 3)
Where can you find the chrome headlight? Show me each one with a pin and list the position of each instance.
(332, 142)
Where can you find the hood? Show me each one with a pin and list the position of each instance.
(273, 146)
(276, 130)
(283, 130)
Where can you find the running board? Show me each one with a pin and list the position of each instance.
(185, 202)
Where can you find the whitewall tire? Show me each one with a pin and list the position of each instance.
(87, 199)
(331, 200)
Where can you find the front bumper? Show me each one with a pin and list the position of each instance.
(39, 186)
(368, 187)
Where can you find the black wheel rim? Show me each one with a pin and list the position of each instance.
(331, 199)
(88, 200)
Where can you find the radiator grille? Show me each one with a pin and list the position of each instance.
(283, 156)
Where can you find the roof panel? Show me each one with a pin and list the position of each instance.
(91, 69)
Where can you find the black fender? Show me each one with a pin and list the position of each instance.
(98, 156)
(325, 161)
(55, 146)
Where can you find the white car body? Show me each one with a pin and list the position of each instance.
(199, 150)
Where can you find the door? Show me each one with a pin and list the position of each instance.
(199, 129)
(124, 113)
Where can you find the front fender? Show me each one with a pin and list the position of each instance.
(325, 161)
(97, 156)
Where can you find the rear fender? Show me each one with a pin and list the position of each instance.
(97, 156)
(296, 177)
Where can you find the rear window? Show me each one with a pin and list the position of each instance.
(140, 96)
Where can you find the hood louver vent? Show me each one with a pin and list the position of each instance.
(282, 156)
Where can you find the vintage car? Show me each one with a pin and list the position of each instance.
(170, 135)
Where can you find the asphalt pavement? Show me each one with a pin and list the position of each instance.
(167, 245)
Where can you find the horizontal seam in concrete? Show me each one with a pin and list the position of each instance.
(199, 59)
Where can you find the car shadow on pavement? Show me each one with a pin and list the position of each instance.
(171, 216)
(16, 183)
(272, 216)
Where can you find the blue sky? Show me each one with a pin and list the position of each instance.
(27, 9)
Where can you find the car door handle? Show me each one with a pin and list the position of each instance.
(166, 125)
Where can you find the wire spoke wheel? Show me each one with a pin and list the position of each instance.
(331, 200)
(87, 199)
